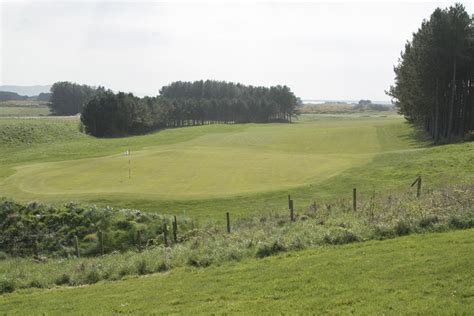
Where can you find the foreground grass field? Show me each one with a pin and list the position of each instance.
(419, 274)
(203, 171)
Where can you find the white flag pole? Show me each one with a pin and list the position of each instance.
(129, 164)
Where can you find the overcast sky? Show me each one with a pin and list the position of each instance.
(342, 50)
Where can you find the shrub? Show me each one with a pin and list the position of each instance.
(7, 285)
(383, 232)
(199, 261)
(93, 276)
(3, 256)
(163, 267)
(36, 283)
(460, 222)
(63, 280)
(428, 221)
(55, 228)
(340, 236)
(265, 250)
(297, 243)
(142, 267)
(402, 228)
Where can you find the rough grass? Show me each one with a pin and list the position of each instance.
(421, 274)
(19, 134)
(257, 237)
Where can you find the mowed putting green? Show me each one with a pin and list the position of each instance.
(231, 160)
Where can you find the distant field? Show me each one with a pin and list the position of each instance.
(23, 108)
(340, 108)
(326, 108)
(429, 274)
(206, 170)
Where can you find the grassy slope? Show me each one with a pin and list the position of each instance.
(422, 274)
(373, 153)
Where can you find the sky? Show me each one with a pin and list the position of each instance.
(321, 50)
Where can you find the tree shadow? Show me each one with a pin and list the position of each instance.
(417, 136)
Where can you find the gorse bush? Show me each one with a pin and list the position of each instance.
(258, 237)
(36, 229)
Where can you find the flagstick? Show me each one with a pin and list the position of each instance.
(129, 167)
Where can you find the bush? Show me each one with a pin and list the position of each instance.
(3, 256)
(163, 267)
(428, 221)
(340, 236)
(56, 228)
(63, 280)
(265, 250)
(460, 222)
(383, 232)
(93, 276)
(7, 286)
(199, 261)
(402, 228)
(142, 267)
(36, 283)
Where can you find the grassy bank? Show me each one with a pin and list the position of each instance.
(420, 274)
(210, 244)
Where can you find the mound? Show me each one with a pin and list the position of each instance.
(17, 132)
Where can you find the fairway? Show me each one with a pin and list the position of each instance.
(230, 160)
(203, 171)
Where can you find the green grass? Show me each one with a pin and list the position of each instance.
(202, 245)
(420, 274)
(23, 108)
(207, 170)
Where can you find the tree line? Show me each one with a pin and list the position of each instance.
(68, 98)
(186, 104)
(13, 96)
(434, 77)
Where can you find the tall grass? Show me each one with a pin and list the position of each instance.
(258, 237)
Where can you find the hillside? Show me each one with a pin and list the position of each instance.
(420, 274)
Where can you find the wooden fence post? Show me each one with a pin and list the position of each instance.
(165, 234)
(418, 186)
(292, 212)
(228, 221)
(35, 246)
(354, 199)
(101, 241)
(76, 246)
(175, 230)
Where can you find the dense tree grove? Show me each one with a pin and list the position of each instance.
(187, 104)
(434, 78)
(220, 101)
(68, 98)
(110, 114)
